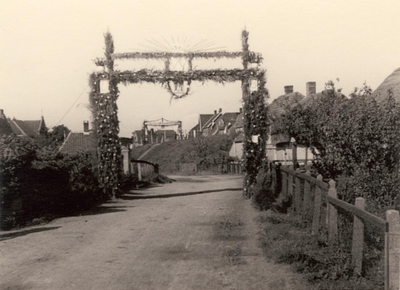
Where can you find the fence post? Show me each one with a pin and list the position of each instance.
(358, 238)
(332, 215)
(307, 199)
(284, 184)
(392, 217)
(297, 193)
(139, 172)
(317, 208)
(290, 183)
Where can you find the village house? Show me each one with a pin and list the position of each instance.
(280, 147)
(85, 142)
(215, 124)
(31, 128)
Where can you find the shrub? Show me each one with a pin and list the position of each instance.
(38, 184)
(263, 194)
(357, 140)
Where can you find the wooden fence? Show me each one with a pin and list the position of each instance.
(316, 202)
(143, 168)
(222, 168)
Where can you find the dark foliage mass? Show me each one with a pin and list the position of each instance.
(357, 142)
(41, 184)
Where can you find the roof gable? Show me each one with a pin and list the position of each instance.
(79, 142)
(204, 118)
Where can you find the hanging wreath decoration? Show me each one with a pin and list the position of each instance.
(174, 94)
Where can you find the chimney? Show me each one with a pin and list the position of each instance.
(215, 112)
(86, 127)
(2, 116)
(220, 110)
(240, 110)
(311, 88)
(288, 89)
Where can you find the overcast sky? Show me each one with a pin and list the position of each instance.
(47, 48)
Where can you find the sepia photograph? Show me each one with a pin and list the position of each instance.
(199, 145)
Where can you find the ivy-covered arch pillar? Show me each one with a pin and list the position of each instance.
(255, 126)
(103, 102)
(104, 94)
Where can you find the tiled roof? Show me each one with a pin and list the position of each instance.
(204, 118)
(230, 117)
(79, 142)
(16, 129)
(239, 121)
(212, 120)
(27, 128)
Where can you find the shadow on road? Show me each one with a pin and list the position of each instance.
(131, 196)
(102, 210)
(14, 235)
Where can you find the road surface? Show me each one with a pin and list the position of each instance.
(150, 239)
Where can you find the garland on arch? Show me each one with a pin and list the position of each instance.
(174, 95)
(105, 119)
(105, 110)
(255, 131)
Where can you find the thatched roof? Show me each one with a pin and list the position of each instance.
(279, 106)
(392, 82)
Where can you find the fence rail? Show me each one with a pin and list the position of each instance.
(144, 168)
(311, 197)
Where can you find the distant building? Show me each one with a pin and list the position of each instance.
(218, 123)
(80, 142)
(86, 142)
(31, 128)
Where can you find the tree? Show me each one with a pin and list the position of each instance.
(357, 140)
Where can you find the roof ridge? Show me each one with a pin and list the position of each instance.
(65, 141)
(22, 131)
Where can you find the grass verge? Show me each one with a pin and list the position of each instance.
(285, 240)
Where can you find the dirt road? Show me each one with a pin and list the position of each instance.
(189, 241)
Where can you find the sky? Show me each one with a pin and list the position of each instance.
(47, 51)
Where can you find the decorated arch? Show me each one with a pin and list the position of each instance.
(104, 95)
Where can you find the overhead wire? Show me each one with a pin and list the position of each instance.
(73, 105)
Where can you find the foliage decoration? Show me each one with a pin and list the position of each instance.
(174, 95)
(156, 76)
(105, 115)
(104, 108)
(255, 125)
(166, 55)
(99, 61)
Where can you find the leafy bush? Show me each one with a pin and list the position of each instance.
(40, 183)
(208, 151)
(262, 193)
(357, 140)
(285, 241)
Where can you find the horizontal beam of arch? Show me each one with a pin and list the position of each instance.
(162, 76)
(191, 55)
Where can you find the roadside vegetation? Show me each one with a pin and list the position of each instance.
(205, 152)
(357, 142)
(39, 184)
